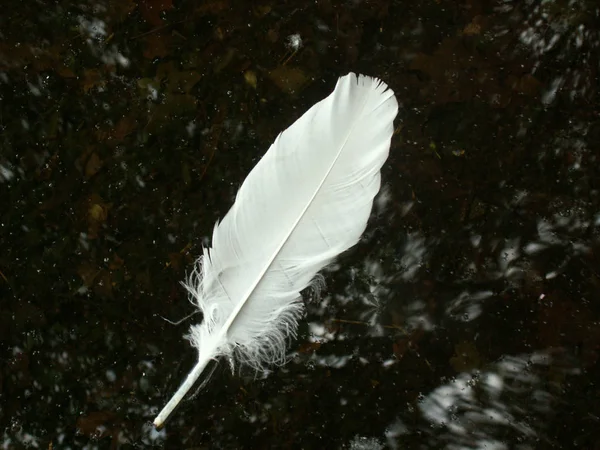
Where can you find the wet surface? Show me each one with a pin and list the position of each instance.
(468, 317)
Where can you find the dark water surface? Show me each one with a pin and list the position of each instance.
(467, 318)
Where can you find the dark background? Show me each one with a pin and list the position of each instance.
(467, 318)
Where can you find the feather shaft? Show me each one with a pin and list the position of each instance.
(180, 393)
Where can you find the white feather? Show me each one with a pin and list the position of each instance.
(306, 201)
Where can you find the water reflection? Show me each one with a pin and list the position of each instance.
(563, 38)
(499, 407)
